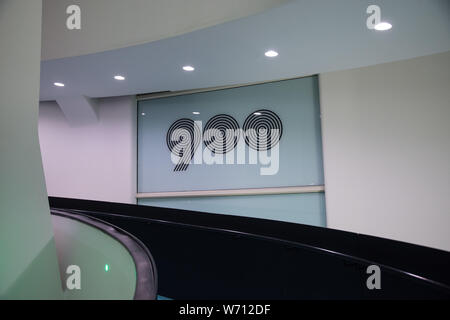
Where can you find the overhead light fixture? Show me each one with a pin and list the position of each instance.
(119, 77)
(257, 113)
(195, 112)
(188, 68)
(59, 84)
(271, 54)
(143, 113)
(383, 26)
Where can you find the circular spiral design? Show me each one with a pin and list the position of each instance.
(182, 134)
(221, 134)
(263, 130)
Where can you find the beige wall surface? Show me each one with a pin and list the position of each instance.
(386, 138)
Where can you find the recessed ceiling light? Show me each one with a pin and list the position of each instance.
(59, 84)
(257, 113)
(118, 77)
(195, 112)
(383, 26)
(271, 54)
(188, 68)
(143, 113)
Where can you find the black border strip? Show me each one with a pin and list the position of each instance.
(146, 273)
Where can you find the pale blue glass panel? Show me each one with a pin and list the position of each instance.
(295, 101)
(297, 208)
(297, 104)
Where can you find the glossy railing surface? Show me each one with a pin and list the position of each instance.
(213, 256)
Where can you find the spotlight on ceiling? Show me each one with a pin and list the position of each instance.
(257, 113)
(188, 68)
(59, 84)
(195, 112)
(119, 77)
(271, 54)
(383, 26)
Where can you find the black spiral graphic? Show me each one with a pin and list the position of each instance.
(221, 134)
(183, 138)
(263, 130)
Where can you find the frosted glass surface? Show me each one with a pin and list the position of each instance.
(296, 102)
(92, 249)
(297, 208)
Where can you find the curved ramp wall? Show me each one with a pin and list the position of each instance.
(99, 261)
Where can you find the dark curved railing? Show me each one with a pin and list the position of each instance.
(146, 274)
(212, 256)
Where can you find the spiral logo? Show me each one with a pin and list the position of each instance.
(221, 134)
(183, 138)
(263, 130)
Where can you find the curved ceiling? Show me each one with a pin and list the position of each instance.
(312, 36)
(113, 24)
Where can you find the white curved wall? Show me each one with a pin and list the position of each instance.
(112, 24)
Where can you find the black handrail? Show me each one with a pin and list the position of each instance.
(426, 267)
(348, 257)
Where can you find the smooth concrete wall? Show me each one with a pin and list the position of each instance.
(386, 138)
(28, 263)
(96, 161)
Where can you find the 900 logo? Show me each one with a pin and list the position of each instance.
(262, 131)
